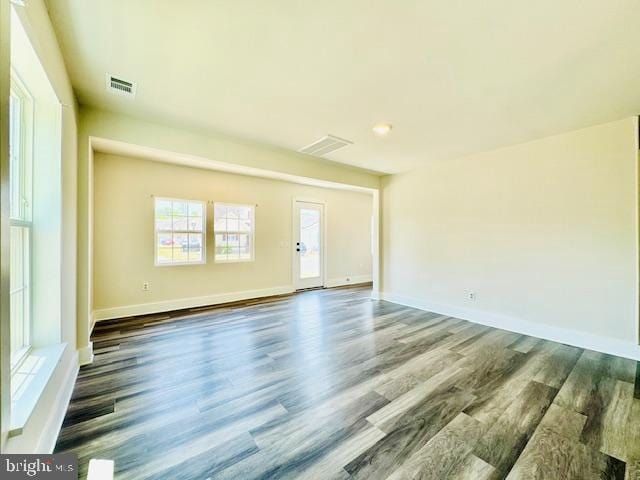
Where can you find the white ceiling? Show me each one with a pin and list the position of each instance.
(452, 76)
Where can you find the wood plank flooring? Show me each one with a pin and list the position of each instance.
(329, 384)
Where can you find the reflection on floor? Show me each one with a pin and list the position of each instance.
(329, 384)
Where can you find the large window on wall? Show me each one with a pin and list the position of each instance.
(234, 232)
(35, 232)
(20, 187)
(180, 227)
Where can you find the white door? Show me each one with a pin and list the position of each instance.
(308, 244)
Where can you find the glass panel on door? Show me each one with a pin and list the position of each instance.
(309, 243)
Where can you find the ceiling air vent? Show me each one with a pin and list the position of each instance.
(120, 87)
(325, 145)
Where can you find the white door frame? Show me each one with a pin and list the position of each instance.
(323, 240)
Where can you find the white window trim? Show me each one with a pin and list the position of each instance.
(23, 404)
(26, 176)
(252, 233)
(203, 233)
(17, 358)
(27, 119)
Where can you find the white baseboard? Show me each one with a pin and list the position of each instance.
(192, 302)
(85, 354)
(58, 409)
(341, 281)
(548, 332)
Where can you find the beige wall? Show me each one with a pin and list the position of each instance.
(205, 147)
(544, 233)
(123, 233)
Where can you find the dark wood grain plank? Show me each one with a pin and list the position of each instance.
(328, 384)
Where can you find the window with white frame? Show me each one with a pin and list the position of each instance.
(20, 181)
(180, 227)
(233, 227)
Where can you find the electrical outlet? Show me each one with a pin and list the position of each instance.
(145, 286)
(472, 295)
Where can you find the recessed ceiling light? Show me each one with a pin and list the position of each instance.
(382, 129)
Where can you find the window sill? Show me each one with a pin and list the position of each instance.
(179, 264)
(29, 381)
(241, 260)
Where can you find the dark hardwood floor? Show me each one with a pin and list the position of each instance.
(328, 384)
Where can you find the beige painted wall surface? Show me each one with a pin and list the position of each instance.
(543, 232)
(96, 123)
(123, 232)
